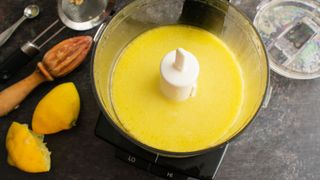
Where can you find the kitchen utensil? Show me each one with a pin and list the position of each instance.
(218, 17)
(29, 12)
(80, 18)
(57, 62)
(85, 16)
(25, 53)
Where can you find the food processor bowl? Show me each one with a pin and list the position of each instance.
(218, 17)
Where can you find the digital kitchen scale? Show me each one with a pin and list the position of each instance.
(199, 167)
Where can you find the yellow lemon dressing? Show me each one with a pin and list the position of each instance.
(191, 125)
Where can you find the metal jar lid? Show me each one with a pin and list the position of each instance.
(290, 30)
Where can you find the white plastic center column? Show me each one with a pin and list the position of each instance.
(179, 74)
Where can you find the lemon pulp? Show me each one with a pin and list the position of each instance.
(191, 125)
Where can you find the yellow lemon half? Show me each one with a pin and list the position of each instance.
(57, 111)
(26, 150)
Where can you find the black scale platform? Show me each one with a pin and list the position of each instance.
(199, 167)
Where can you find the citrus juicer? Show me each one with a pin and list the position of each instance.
(76, 17)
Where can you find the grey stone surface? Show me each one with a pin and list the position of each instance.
(283, 143)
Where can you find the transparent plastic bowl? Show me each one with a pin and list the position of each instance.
(216, 16)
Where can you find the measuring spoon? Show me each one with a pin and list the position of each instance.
(29, 12)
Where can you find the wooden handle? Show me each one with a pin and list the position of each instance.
(15, 94)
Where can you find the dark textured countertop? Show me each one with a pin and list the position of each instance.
(282, 143)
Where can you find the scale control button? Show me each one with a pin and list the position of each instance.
(168, 174)
(132, 159)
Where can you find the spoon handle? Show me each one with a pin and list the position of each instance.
(4, 36)
(15, 94)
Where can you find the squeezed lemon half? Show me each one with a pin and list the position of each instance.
(26, 149)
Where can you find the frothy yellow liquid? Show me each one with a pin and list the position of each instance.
(192, 125)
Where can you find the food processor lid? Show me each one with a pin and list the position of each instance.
(290, 30)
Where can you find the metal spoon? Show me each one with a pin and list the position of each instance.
(30, 12)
